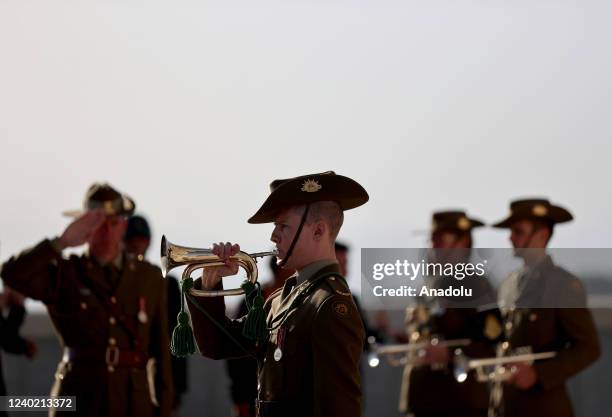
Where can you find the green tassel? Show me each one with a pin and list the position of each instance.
(182, 336)
(255, 327)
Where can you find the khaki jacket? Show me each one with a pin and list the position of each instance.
(568, 331)
(321, 337)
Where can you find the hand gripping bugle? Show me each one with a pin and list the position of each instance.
(173, 256)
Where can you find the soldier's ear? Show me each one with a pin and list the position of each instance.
(544, 233)
(319, 230)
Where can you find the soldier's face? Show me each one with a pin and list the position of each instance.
(286, 224)
(450, 246)
(446, 239)
(108, 237)
(525, 234)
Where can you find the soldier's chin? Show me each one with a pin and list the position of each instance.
(284, 263)
(519, 252)
(100, 248)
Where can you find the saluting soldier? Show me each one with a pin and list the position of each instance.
(429, 387)
(309, 356)
(545, 310)
(108, 308)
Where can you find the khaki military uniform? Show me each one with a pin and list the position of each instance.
(309, 363)
(435, 318)
(431, 389)
(552, 319)
(428, 390)
(104, 364)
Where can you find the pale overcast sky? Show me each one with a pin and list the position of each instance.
(192, 108)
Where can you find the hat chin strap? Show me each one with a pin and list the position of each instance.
(283, 262)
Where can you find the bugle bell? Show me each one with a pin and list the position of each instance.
(173, 256)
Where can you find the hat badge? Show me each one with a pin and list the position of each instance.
(108, 207)
(463, 223)
(311, 186)
(539, 210)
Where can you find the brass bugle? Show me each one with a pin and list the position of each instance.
(399, 354)
(464, 364)
(173, 256)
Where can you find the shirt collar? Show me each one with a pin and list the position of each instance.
(544, 264)
(117, 262)
(309, 270)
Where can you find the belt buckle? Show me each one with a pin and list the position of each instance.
(112, 355)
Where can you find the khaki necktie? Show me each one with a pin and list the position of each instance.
(289, 284)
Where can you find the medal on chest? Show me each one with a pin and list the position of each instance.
(280, 343)
(142, 310)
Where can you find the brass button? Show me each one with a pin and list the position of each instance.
(112, 320)
(533, 317)
(112, 341)
(111, 368)
(113, 300)
(509, 325)
(141, 257)
(83, 305)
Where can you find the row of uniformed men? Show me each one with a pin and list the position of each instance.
(109, 311)
(542, 308)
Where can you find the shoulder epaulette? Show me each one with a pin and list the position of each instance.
(338, 285)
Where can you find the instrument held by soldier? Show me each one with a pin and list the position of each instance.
(499, 373)
(399, 354)
(173, 256)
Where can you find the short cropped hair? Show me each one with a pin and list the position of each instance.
(328, 211)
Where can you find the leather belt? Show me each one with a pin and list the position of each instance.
(111, 356)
